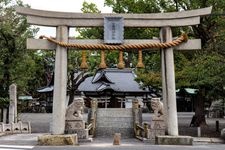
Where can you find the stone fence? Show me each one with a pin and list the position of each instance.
(11, 128)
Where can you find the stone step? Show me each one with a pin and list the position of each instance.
(114, 112)
(114, 120)
(116, 124)
(109, 132)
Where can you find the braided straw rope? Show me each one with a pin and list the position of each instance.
(179, 40)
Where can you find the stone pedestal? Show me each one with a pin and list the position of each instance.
(174, 140)
(57, 140)
(74, 119)
(157, 128)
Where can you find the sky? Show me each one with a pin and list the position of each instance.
(64, 6)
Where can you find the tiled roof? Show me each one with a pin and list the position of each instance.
(115, 79)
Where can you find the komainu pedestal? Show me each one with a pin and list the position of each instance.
(74, 119)
(157, 128)
(158, 123)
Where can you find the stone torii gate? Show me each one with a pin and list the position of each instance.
(63, 20)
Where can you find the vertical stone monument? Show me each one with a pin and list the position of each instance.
(13, 103)
(74, 119)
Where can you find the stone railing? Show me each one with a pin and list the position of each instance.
(11, 128)
(93, 116)
(148, 131)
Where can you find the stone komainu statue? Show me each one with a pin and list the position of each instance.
(75, 110)
(157, 107)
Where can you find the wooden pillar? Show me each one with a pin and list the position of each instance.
(168, 83)
(60, 82)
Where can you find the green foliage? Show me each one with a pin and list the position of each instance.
(4, 102)
(196, 69)
(149, 78)
(89, 8)
(131, 6)
(16, 65)
(205, 70)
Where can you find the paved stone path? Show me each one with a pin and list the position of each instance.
(29, 141)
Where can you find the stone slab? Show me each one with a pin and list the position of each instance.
(57, 140)
(115, 123)
(208, 140)
(90, 139)
(174, 140)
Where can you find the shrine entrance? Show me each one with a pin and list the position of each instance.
(165, 43)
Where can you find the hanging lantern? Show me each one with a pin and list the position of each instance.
(102, 64)
(84, 64)
(140, 60)
(121, 63)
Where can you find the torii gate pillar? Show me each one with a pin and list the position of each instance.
(60, 83)
(168, 83)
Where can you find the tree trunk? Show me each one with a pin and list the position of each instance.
(72, 90)
(199, 118)
(76, 81)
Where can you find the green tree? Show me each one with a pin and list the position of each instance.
(191, 69)
(205, 70)
(16, 64)
(76, 75)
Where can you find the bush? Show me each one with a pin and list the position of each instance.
(4, 102)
